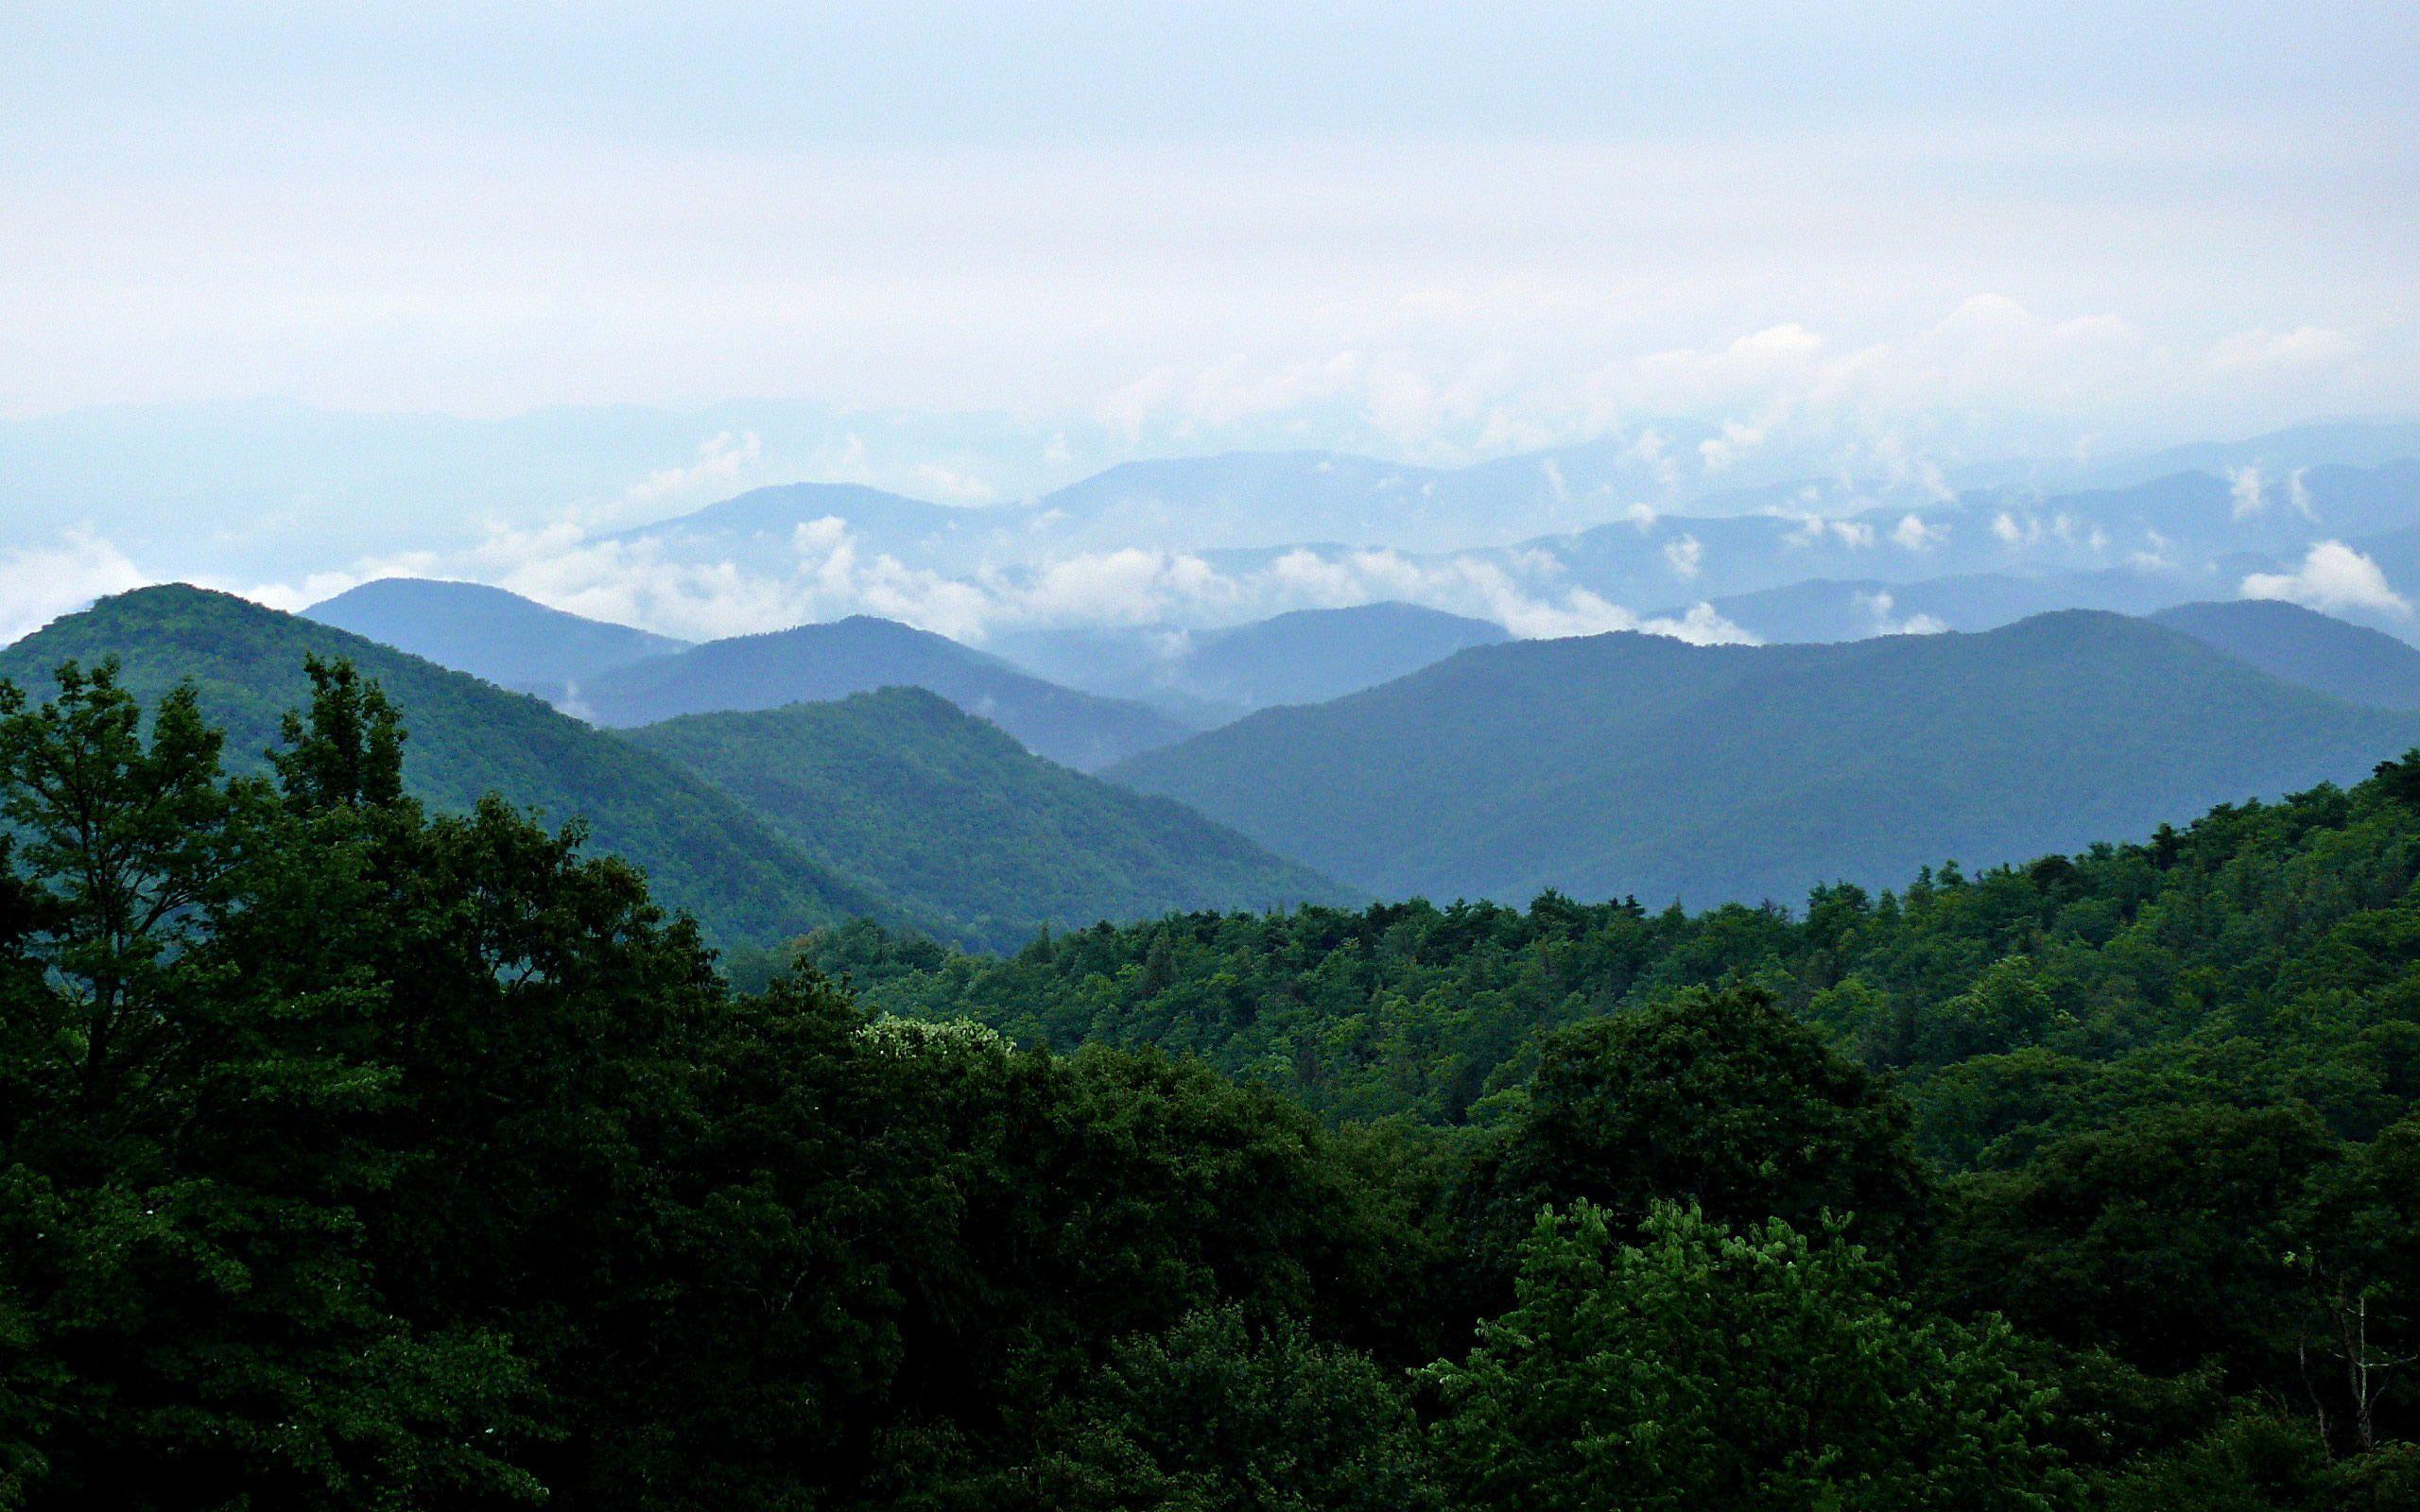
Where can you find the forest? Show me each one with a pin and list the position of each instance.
(356, 1154)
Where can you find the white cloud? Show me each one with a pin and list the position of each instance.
(1641, 515)
(1857, 535)
(2298, 494)
(2247, 490)
(1881, 606)
(950, 485)
(721, 460)
(1914, 534)
(1685, 556)
(2332, 577)
(1720, 452)
(40, 583)
(2154, 557)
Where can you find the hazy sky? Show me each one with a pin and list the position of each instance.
(973, 252)
(1446, 229)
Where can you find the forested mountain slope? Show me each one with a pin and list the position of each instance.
(509, 640)
(1638, 765)
(702, 852)
(816, 662)
(2353, 662)
(927, 804)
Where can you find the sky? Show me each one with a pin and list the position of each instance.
(996, 245)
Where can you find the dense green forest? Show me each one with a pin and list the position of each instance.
(1635, 763)
(358, 1155)
(928, 806)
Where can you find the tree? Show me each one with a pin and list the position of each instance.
(189, 1308)
(1755, 1372)
(1218, 1416)
(1717, 1099)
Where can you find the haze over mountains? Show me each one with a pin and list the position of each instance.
(1335, 676)
(1143, 551)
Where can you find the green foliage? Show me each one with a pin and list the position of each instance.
(1218, 1416)
(1720, 1101)
(1755, 1372)
(918, 803)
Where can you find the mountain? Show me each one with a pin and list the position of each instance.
(700, 850)
(1313, 655)
(815, 662)
(1631, 763)
(2303, 645)
(762, 525)
(487, 633)
(1208, 678)
(920, 801)
(1833, 608)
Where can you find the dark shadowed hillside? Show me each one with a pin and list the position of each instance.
(927, 804)
(1630, 764)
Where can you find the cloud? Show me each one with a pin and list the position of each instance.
(1720, 452)
(40, 583)
(952, 487)
(2332, 577)
(721, 458)
(1879, 605)
(1857, 535)
(1685, 557)
(2298, 494)
(2245, 487)
(1914, 534)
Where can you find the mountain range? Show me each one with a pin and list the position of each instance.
(814, 663)
(701, 849)
(893, 806)
(1209, 677)
(913, 798)
(1630, 764)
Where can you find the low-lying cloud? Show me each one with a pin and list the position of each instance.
(828, 570)
(40, 583)
(2332, 577)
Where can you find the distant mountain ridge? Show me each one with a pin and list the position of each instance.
(817, 662)
(1210, 676)
(488, 632)
(916, 798)
(2300, 645)
(1633, 764)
